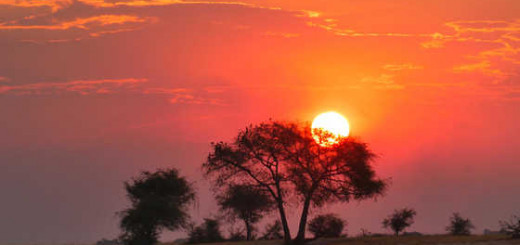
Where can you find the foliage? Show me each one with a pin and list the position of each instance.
(511, 227)
(209, 231)
(237, 235)
(159, 201)
(247, 203)
(459, 226)
(284, 159)
(399, 220)
(327, 225)
(273, 231)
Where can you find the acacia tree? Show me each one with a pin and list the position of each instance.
(284, 159)
(459, 225)
(159, 201)
(245, 202)
(399, 220)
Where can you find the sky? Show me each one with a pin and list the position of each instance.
(94, 91)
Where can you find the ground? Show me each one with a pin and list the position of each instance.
(406, 240)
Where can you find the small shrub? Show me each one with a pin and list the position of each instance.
(209, 231)
(327, 225)
(399, 220)
(511, 227)
(459, 226)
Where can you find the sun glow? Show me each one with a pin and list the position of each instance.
(329, 127)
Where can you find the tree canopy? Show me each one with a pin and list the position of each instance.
(459, 226)
(159, 200)
(400, 219)
(245, 202)
(284, 159)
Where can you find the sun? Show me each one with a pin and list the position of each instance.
(333, 125)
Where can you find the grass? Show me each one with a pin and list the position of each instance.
(426, 239)
(392, 240)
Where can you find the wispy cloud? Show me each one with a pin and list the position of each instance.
(82, 23)
(113, 86)
(383, 81)
(401, 67)
(485, 67)
(331, 25)
(499, 44)
(41, 29)
(188, 96)
(281, 34)
(110, 17)
(184, 98)
(59, 4)
(84, 87)
(499, 39)
(53, 4)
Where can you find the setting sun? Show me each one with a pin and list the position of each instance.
(233, 117)
(333, 123)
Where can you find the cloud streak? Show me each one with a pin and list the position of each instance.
(82, 23)
(402, 67)
(83, 87)
(113, 86)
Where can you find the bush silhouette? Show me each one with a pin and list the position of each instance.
(511, 227)
(209, 231)
(159, 201)
(399, 220)
(459, 226)
(327, 225)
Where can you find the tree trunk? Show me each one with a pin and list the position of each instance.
(248, 230)
(300, 238)
(285, 225)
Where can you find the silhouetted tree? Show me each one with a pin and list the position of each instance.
(273, 231)
(399, 220)
(459, 226)
(159, 201)
(511, 227)
(365, 232)
(209, 231)
(327, 225)
(284, 158)
(237, 235)
(245, 202)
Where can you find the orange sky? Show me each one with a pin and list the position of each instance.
(93, 91)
